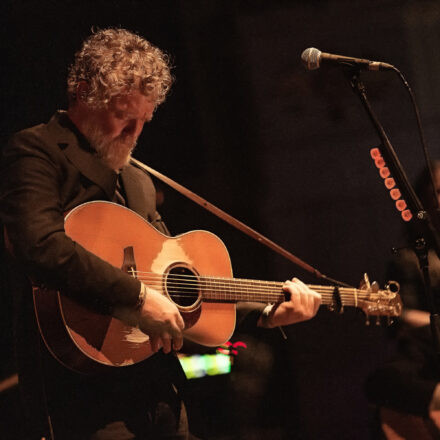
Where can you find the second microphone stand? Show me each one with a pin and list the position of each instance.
(421, 217)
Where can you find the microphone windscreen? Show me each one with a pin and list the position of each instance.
(310, 58)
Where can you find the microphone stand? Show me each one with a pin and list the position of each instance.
(421, 217)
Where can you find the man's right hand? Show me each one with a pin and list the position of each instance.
(160, 319)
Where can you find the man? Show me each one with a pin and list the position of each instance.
(114, 85)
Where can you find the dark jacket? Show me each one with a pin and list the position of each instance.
(46, 171)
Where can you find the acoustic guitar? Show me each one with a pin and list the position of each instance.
(193, 270)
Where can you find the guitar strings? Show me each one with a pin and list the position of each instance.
(347, 299)
(243, 286)
(177, 288)
(230, 287)
(261, 283)
(326, 298)
(241, 281)
(222, 288)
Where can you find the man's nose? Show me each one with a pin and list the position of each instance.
(134, 128)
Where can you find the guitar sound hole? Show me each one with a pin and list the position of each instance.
(182, 286)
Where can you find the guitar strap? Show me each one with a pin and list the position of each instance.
(235, 223)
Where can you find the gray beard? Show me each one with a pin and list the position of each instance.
(115, 153)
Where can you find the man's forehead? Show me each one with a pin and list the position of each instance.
(133, 103)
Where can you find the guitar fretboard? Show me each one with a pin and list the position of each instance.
(236, 289)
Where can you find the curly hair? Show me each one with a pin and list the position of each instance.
(116, 61)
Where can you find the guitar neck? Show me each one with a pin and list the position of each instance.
(235, 290)
(186, 288)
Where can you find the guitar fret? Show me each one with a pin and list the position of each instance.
(242, 290)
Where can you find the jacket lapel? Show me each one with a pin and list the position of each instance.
(139, 192)
(77, 150)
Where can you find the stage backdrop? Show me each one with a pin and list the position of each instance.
(280, 148)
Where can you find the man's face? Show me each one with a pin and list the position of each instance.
(113, 131)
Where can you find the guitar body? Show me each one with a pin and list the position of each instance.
(86, 341)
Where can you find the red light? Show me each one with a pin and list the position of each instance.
(406, 215)
(223, 351)
(395, 193)
(401, 205)
(380, 163)
(384, 172)
(228, 348)
(390, 183)
(375, 152)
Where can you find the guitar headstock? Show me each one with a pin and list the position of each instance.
(376, 302)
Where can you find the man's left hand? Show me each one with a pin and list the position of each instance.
(302, 305)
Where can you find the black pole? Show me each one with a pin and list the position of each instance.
(421, 218)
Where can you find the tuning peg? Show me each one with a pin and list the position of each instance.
(393, 287)
(375, 287)
(365, 282)
(367, 320)
(377, 320)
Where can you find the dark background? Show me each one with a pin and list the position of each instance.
(284, 150)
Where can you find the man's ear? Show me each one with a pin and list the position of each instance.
(82, 90)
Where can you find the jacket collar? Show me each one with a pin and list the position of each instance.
(77, 149)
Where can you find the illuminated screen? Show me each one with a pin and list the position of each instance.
(200, 365)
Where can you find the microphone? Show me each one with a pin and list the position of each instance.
(312, 59)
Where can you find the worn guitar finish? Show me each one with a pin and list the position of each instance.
(193, 270)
